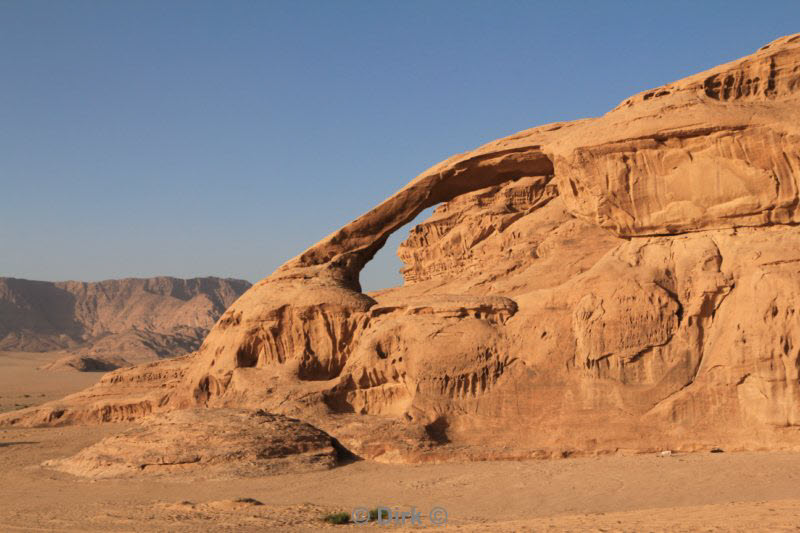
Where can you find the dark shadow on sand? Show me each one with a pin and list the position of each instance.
(6, 444)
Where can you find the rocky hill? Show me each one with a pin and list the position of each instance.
(112, 323)
(626, 282)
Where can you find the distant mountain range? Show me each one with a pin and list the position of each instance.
(107, 324)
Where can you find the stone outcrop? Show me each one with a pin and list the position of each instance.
(108, 324)
(624, 282)
(214, 443)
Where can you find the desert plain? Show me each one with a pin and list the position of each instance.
(744, 491)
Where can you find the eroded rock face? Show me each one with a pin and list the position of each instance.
(619, 283)
(469, 230)
(211, 443)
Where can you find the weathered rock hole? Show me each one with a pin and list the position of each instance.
(383, 271)
(437, 430)
(245, 359)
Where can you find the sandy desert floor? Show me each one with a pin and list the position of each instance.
(694, 492)
(22, 384)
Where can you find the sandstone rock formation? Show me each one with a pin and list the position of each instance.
(627, 282)
(210, 444)
(112, 323)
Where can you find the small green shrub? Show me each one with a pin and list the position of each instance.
(338, 518)
(344, 518)
(373, 514)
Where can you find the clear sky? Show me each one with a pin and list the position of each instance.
(193, 138)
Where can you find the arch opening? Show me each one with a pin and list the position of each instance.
(383, 270)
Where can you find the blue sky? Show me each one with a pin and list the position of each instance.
(194, 138)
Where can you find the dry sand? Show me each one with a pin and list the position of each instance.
(694, 492)
(22, 384)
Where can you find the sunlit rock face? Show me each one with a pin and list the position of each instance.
(627, 282)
